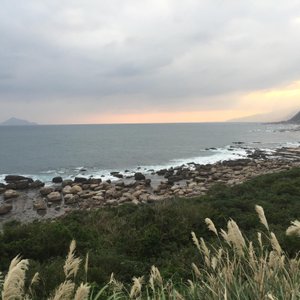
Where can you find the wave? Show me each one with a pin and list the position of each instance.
(210, 156)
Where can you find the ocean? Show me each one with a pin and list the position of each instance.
(43, 152)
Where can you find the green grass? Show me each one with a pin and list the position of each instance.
(128, 240)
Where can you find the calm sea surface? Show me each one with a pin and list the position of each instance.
(47, 151)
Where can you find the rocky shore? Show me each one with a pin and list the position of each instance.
(22, 198)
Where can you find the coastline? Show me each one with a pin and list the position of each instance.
(24, 199)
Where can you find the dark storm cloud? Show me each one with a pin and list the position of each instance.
(129, 54)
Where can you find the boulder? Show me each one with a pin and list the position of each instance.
(80, 180)
(67, 182)
(57, 179)
(139, 176)
(22, 184)
(67, 190)
(8, 194)
(15, 178)
(75, 189)
(37, 184)
(46, 190)
(54, 196)
(116, 174)
(5, 208)
(40, 204)
(70, 198)
(94, 180)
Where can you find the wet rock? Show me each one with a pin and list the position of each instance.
(54, 197)
(37, 184)
(57, 179)
(67, 182)
(139, 176)
(95, 181)
(46, 190)
(116, 174)
(5, 208)
(80, 180)
(9, 194)
(15, 178)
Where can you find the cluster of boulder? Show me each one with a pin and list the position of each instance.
(183, 181)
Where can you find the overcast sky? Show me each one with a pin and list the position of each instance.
(102, 61)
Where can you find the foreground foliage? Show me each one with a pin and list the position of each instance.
(235, 269)
(128, 240)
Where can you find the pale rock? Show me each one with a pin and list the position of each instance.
(54, 197)
(9, 194)
(75, 189)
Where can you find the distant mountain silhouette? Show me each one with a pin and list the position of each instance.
(295, 119)
(277, 116)
(17, 122)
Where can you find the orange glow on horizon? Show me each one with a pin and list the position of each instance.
(166, 117)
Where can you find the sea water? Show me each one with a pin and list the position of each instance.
(96, 150)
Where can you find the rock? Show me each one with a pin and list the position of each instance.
(67, 182)
(46, 190)
(112, 202)
(75, 189)
(71, 199)
(80, 180)
(40, 204)
(15, 178)
(37, 184)
(116, 174)
(174, 178)
(5, 208)
(8, 194)
(139, 176)
(2, 190)
(57, 179)
(66, 190)
(22, 184)
(95, 181)
(54, 197)
(135, 201)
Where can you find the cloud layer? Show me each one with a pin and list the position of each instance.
(82, 57)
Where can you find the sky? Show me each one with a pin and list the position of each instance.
(137, 61)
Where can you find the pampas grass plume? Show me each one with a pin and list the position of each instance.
(13, 286)
(82, 292)
(261, 216)
(294, 229)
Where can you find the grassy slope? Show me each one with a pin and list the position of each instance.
(127, 240)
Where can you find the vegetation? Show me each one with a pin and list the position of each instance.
(129, 240)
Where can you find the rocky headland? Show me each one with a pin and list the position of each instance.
(22, 198)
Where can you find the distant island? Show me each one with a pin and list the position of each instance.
(17, 122)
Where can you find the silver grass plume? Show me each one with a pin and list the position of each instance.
(155, 277)
(136, 287)
(82, 292)
(294, 229)
(235, 237)
(275, 244)
(211, 226)
(196, 241)
(13, 286)
(64, 291)
(261, 215)
(72, 263)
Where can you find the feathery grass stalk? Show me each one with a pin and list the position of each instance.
(13, 286)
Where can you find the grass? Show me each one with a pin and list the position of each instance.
(235, 268)
(129, 240)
